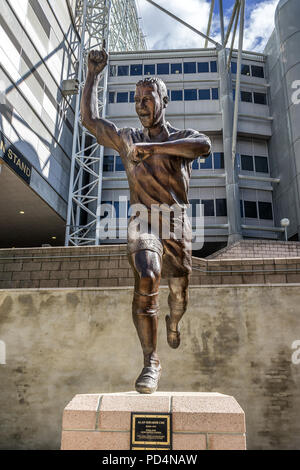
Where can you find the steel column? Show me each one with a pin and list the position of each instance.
(232, 187)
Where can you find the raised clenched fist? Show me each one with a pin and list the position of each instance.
(97, 61)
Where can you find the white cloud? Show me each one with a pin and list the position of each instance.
(165, 33)
(259, 25)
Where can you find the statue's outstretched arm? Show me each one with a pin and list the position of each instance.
(106, 133)
(190, 147)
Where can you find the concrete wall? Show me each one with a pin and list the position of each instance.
(235, 340)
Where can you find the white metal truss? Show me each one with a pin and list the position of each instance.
(125, 33)
(97, 22)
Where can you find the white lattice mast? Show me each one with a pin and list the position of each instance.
(125, 33)
(116, 23)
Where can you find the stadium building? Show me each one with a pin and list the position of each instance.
(37, 125)
(192, 81)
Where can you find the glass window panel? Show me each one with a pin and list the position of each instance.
(265, 210)
(250, 209)
(108, 163)
(247, 162)
(233, 67)
(149, 69)
(195, 164)
(261, 164)
(204, 94)
(111, 97)
(233, 94)
(190, 94)
(119, 164)
(215, 93)
(218, 160)
(221, 208)
(131, 97)
(257, 71)
(176, 68)
(245, 70)
(123, 70)
(209, 207)
(193, 211)
(246, 96)
(242, 208)
(213, 66)
(112, 70)
(203, 67)
(260, 98)
(176, 95)
(207, 164)
(162, 69)
(136, 69)
(122, 97)
(189, 67)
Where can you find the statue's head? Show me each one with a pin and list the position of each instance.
(151, 100)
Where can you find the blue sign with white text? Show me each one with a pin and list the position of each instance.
(15, 160)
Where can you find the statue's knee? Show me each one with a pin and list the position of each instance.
(149, 278)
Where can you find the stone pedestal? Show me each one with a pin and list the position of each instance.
(200, 421)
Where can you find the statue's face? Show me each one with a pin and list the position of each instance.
(148, 105)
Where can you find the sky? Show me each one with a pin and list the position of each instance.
(162, 32)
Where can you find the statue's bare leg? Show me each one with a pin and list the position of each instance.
(177, 300)
(147, 270)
